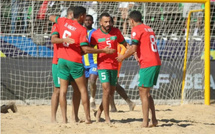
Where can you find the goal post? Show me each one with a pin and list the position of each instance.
(185, 55)
(207, 52)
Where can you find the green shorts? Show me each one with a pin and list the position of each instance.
(108, 76)
(55, 77)
(148, 76)
(68, 69)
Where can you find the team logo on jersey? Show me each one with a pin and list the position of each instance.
(134, 34)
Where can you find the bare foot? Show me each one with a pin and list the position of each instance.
(97, 115)
(65, 121)
(153, 123)
(54, 121)
(97, 119)
(108, 121)
(131, 106)
(81, 121)
(88, 121)
(113, 109)
(75, 120)
(145, 124)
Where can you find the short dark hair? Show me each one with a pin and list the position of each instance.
(104, 14)
(91, 17)
(70, 9)
(136, 16)
(78, 11)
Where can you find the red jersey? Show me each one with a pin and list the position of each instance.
(147, 51)
(54, 32)
(111, 39)
(68, 27)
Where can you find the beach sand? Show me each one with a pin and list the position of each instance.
(183, 119)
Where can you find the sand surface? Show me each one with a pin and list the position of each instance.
(185, 119)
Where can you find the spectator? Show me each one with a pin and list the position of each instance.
(124, 8)
(198, 16)
(63, 9)
(19, 10)
(92, 10)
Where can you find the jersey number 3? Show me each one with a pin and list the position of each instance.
(153, 43)
(66, 34)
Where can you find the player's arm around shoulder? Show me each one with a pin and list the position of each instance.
(88, 49)
(56, 40)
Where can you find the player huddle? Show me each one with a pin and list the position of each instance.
(71, 41)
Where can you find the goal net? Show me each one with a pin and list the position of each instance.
(26, 50)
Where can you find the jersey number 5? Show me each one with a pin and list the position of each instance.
(103, 76)
(65, 34)
(108, 43)
(153, 43)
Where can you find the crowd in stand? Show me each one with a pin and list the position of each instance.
(166, 19)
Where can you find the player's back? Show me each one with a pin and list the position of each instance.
(72, 28)
(147, 51)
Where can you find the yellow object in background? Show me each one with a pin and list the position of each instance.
(2, 54)
(121, 50)
(212, 55)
